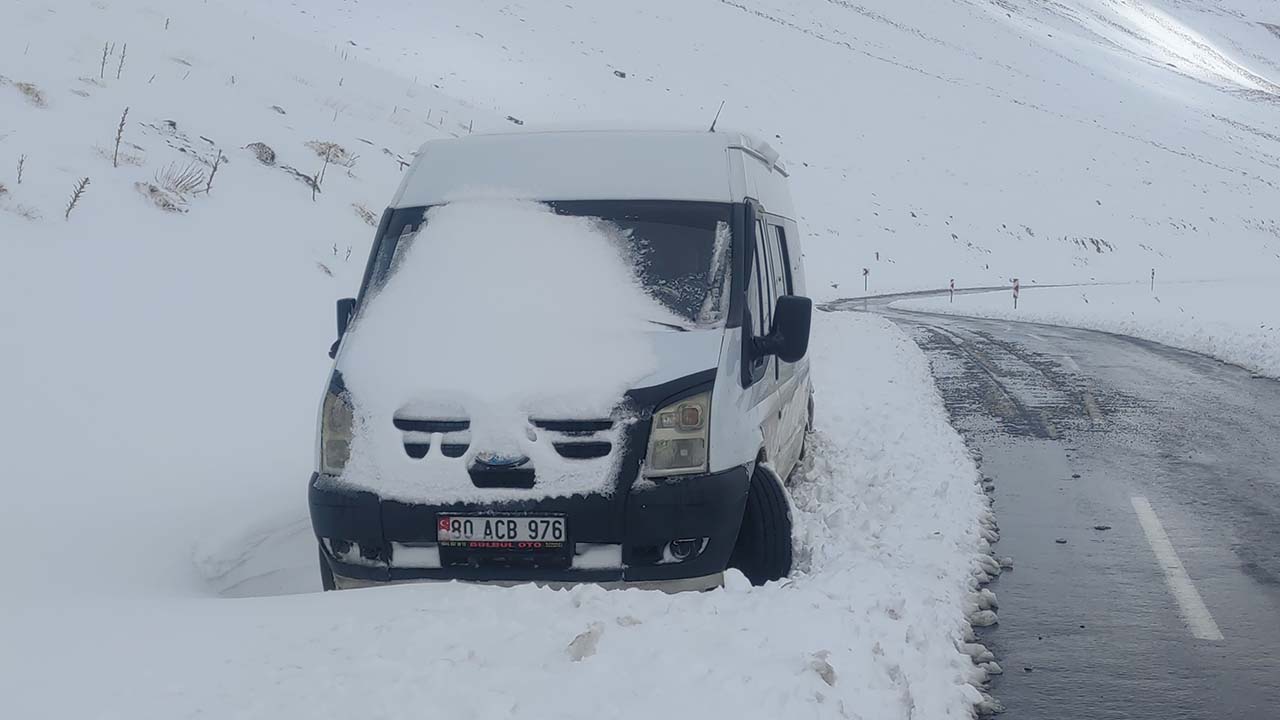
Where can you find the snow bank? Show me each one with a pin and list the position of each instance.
(1232, 321)
(497, 311)
(159, 426)
(868, 627)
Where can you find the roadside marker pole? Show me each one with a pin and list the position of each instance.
(953, 290)
(865, 273)
(1016, 288)
(1153, 279)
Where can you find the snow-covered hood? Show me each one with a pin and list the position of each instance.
(680, 354)
(675, 354)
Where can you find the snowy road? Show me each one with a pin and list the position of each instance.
(1138, 490)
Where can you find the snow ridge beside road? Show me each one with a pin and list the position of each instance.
(1234, 321)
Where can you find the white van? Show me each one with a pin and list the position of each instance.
(689, 466)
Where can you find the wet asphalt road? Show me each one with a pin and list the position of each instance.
(1160, 469)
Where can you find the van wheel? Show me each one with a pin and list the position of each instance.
(763, 550)
(326, 572)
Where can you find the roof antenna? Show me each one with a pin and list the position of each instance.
(717, 117)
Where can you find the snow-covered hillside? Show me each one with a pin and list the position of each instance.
(164, 341)
(972, 139)
(165, 337)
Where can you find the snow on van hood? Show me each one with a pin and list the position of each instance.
(499, 311)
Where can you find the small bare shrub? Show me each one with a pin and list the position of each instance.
(3, 190)
(181, 180)
(308, 180)
(123, 157)
(217, 162)
(120, 68)
(24, 211)
(160, 197)
(334, 152)
(75, 197)
(365, 214)
(102, 70)
(320, 175)
(32, 93)
(22, 161)
(115, 156)
(263, 152)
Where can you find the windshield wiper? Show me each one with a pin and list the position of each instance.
(673, 326)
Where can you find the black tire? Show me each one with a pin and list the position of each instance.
(326, 572)
(763, 550)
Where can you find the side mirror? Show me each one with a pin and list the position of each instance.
(789, 339)
(346, 308)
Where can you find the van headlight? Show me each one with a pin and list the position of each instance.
(336, 422)
(678, 437)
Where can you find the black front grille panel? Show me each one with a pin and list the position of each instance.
(574, 427)
(453, 450)
(432, 425)
(579, 439)
(586, 450)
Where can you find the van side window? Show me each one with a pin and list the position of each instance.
(406, 238)
(763, 285)
(398, 236)
(771, 267)
(753, 296)
(787, 284)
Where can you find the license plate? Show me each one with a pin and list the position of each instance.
(501, 532)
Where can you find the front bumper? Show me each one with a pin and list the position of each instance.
(391, 541)
(679, 585)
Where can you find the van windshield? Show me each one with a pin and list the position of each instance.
(682, 250)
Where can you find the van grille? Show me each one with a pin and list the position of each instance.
(572, 439)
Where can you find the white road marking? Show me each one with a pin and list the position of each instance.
(1070, 363)
(1034, 336)
(1194, 612)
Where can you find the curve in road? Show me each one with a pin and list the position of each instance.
(1138, 490)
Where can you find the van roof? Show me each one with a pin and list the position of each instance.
(719, 166)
